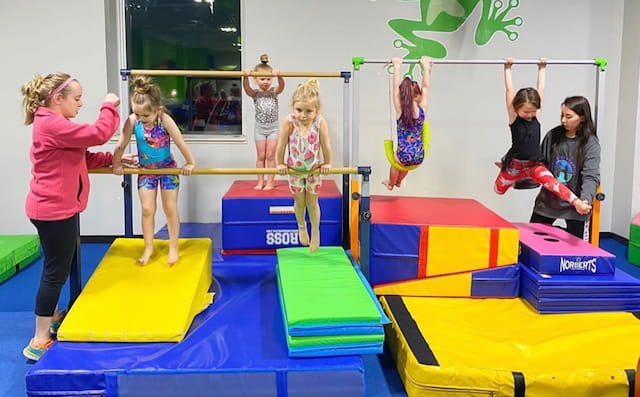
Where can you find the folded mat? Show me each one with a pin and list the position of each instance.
(125, 302)
(328, 307)
(323, 289)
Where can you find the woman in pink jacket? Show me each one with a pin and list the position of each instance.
(59, 188)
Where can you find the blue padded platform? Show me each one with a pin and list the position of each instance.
(575, 293)
(501, 281)
(236, 347)
(261, 220)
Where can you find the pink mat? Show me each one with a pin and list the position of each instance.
(551, 250)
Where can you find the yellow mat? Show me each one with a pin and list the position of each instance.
(124, 302)
(459, 347)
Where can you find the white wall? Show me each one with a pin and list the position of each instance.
(466, 107)
(626, 188)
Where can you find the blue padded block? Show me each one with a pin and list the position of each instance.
(580, 305)
(619, 284)
(501, 281)
(259, 220)
(394, 252)
(236, 344)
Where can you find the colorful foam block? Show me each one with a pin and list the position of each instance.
(264, 220)
(324, 293)
(418, 237)
(501, 282)
(126, 302)
(551, 250)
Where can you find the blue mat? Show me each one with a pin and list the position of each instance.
(238, 343)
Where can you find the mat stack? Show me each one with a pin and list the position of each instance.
(561, 273)
(327, 306)
(634, 241)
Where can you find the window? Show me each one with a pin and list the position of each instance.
(190, 35)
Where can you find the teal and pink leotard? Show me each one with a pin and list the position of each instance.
(154, 151)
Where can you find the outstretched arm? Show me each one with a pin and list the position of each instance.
(245, 84)
(123, 141)
(283, 140)
(426, 63)
(326, 147)
(542, 68)
(176, 136)
(509, 91)
(280, 87)
(397, 62)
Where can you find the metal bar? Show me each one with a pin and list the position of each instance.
(365, 226)
(221, 73)
(491, 61)
(127, 192)
(346, 138)
(219, 171)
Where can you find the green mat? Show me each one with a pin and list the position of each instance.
(16, 253)
(322, 288)
(335, 341)
(634, 233)
(634, 253)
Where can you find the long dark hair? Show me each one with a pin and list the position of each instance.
(586, 129)
(408, 90)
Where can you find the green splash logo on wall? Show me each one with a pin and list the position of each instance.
(449, 16)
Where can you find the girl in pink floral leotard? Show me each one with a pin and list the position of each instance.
(305, 134)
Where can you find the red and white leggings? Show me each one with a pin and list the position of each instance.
(521, 169)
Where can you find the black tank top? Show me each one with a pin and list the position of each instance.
(525, 140)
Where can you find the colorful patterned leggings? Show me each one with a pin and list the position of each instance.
(521, 169)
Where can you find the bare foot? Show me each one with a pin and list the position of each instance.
(268, 186)
(258, 186)
(173, 256)
(303, 236)
(498, 164)
(314, 244)
(387, 184)
(145, 257)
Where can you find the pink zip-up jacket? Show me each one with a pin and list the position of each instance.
(60, 185)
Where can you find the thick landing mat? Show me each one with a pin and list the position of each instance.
(421, 237)
(125, 302)
(551, 250)
(235, 347)
(17, 252)
(502, 348)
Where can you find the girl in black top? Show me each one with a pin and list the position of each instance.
(524, 159)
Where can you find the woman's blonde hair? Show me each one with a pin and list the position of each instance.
(309, 91)
(146, 93)
(36, 92)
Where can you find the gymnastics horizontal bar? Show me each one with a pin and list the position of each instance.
(221, 73)
(596, 61)
(217, 171)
